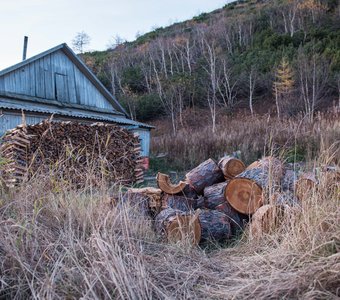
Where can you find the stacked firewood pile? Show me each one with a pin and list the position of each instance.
(217, 200)
(79, 153)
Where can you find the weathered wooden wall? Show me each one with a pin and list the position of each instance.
(54, 77)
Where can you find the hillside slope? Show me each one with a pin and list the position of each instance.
(279, 56)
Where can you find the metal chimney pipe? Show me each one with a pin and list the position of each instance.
(25, 48)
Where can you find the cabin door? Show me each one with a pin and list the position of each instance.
(61, 88)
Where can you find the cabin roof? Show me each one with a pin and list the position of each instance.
(12, 101)
(13, 104)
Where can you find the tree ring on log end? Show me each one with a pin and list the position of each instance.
(244, 195)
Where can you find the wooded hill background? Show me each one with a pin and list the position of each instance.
(277, 56)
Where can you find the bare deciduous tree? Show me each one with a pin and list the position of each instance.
(313, 77)
(81, 41)
(252, 79)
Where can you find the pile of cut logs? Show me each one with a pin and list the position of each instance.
(217, 200)
(78, 152)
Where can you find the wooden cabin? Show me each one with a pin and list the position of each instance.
(56, 82)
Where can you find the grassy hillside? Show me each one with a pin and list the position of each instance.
(278, 56)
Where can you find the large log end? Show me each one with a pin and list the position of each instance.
(176, 226)
(265, 220)
(231, 166)
(244, 195)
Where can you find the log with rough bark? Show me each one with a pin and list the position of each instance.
(188, 192)
(267, 173)
(231, 166)
(305, 185)
(175, 226)
(244, 192)
(284, 198)
(214, 195)
(288, 180)
(164, 183)
(265, 220)
(178, 202)
(235, 219)
(215, 225)
(206, 174)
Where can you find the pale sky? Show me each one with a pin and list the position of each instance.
(48, 23)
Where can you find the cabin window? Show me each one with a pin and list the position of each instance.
(61, 88)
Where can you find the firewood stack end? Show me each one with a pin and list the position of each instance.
(109, 150)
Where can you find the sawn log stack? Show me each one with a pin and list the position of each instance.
(216, 201)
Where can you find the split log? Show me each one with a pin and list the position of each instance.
(236, 221)
(163, 182)
(153, 195)
(215, 225)
(244, 195)
(178, 202)
(265, 220)
(231, 166)
(305, 184)
(214, 195)
(206, 174)
(175, 226)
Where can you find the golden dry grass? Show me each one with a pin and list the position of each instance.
(57, 242)
(254, 136)
(60, 243)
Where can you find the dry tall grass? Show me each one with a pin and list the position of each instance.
(254, 136)
(58, 243)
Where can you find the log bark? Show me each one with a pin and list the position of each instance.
(175, 226)
(244, 195)
(288, 180)
(235, 219)
(263, 177)
(215, 226)
(265, 220)
(214, 195)
(305, 185)
(206, 174)
(267, 173)
(178, 202)
(231, 166)
(188, 192)
(284, 198)
(164, 183)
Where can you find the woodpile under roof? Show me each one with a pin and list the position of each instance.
(79, 153)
